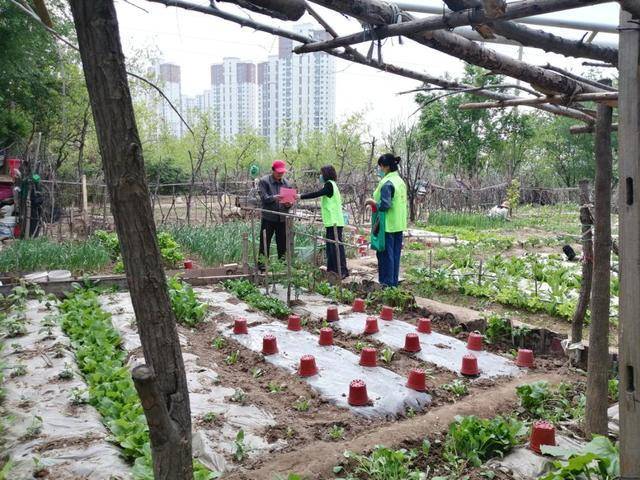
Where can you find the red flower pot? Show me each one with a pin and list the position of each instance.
(188, 264)
(369, 357)
(240, 326)
(424, 325)
(474, 342)
(386, 313)
(332, 314)
(326, 337)
(358, 393)
(293, 323)
(358, 305)
(412, 343)
(417, 380)
(542, 433)
(307, 366)
(371, 325)
(469, 366)
(524, 358)
(269, 345)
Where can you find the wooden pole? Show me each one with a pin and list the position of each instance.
(253, 245)
(596, 421)
(586, 220)
(266, 261)
(337, 252)
(288, 258)
(85, 204)
(245, 253)
(629, 221)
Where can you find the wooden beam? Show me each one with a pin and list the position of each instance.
(549, 42)
(454, 19)
(377, 12)
(604, 97)
(361, 59)
(629, 238)
(578, 129)
(282, 9)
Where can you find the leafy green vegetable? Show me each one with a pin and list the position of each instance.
(386, 464)
(248, 292)
(598, 459)
(189, 311)
(554, 403)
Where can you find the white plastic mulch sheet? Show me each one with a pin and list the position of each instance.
(337, 368)
(48, 428)
(441, 350)
(215, 445)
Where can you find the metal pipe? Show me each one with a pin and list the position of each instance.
(430, 6)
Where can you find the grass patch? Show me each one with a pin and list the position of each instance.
(44, 254)
(467, 220)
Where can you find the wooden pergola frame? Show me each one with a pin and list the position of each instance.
(560, 93)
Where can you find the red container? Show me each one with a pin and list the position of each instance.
(332, 314)
(358, 393)
(424, 325)
(14, 166)
(417, 380)
(307, 366)
(358, 305)
(326, 337)
(474, 342)
(371, 326)
(542, 433)
(412, 343)
(524, 358)
(269, 345)
(369, 357)
(240, 326)
(188, 264)
(386, 313)
(293, 323)
(469, 366)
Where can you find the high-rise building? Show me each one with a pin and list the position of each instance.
(168, 76)
(233, 96)
(296, 92)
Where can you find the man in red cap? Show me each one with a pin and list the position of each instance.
(269, 190)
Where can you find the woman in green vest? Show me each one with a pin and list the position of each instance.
(390, 197)
(332, 216)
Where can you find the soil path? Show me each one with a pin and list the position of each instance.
(317, 459)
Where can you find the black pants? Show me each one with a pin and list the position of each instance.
(332, 261)
(279, 228)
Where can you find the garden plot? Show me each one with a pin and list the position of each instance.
(211, 445)
(52, 428)
(438, 349)
(337, 368)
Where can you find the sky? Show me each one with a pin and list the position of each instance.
(195, 41)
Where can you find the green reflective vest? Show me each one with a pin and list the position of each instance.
(396, 216)
(332, 208)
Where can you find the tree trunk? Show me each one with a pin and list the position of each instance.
(598, 362)
(103, 62)
(577, 322)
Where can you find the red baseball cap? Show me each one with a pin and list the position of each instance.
(279, 166)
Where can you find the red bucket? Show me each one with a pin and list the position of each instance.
(371, 326)
(307, 366)
(369, 357)
(469, 366)
(240, 326)
(542, 433)
(293, 323)
(269, 345)
(412, 343)
(524, 358)
(386, 313)
(424, 325)
(14, 166)
(358, 305)
(188, 264)
(326, 337)
(474, 342)
(417, 380)
(332, 314)
(358, 393)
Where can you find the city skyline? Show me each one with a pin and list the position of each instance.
(270, 96)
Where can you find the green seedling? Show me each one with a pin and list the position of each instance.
(34, 429)
(302, 405)
(218, 343)
(240, 452)
(336, 432)
(66, 373)
(256, 372)
(359, 346)
(19, 371)
(290, 433)
(79, 396)
(209, 417)
(410, 412)
(239, 396)
(457, 388)
(58, 350)
(274, 387)
(387, 355)
(17, 348)
(232, 359)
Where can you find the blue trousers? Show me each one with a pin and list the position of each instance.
(389, 260)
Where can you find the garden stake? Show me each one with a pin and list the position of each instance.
(253, 246)
(480, 273)
(245, 252)
(336, 250)
(430, 261)
(288, 241)
(266, 262)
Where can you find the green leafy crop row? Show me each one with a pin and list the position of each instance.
(248, 292)
(102, 361)
(188, 310)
